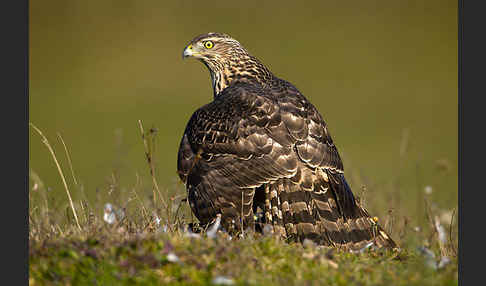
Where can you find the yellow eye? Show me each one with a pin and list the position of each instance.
(208, 44)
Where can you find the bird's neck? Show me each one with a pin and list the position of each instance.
(247, 69)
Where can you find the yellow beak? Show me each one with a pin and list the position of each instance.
(188, 52)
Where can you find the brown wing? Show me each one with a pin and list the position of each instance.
(245, 138)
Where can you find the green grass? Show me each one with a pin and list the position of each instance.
(110, 257)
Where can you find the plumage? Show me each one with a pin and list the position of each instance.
(260, 144)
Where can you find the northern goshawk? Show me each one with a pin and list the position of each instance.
(260, 144)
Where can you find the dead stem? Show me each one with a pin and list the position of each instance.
(451, 240)
(68, 158)
(151, 165)
(46, 142)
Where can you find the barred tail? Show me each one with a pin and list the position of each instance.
(323, 210)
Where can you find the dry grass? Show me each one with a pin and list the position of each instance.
(138, 240)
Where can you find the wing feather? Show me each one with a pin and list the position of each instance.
(249, 136)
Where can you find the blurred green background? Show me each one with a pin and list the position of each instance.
(382, 73)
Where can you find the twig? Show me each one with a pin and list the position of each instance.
(151, 165)
(450, 232)
(84, 211)
(68, 157)
(46, 142)
(428, 213)
(72, 173)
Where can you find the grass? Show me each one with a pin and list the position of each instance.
(144, 240)
(108, 257)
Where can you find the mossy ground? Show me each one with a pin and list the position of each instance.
(126, 254)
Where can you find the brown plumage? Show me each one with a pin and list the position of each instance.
(260, 144)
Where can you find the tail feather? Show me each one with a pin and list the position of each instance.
(327, 214)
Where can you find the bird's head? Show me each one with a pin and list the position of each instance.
(211, 47)
(226, 59)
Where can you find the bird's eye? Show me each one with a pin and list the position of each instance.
(208, 44)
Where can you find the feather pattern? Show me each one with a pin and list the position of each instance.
(261, 143)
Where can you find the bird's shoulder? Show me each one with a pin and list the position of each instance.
(231, 125)
(238, 106)
(247, 115)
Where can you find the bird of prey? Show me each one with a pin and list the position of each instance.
(261, 145)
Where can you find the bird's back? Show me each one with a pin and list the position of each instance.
(260, 145)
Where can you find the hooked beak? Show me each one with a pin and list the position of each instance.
(188, 52)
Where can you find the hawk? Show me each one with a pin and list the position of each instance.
(260, 144)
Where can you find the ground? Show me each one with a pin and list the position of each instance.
(109, 256)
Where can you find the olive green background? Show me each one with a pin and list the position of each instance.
(382, 73)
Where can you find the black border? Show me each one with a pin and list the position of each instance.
(471, 77)
(14, 23)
